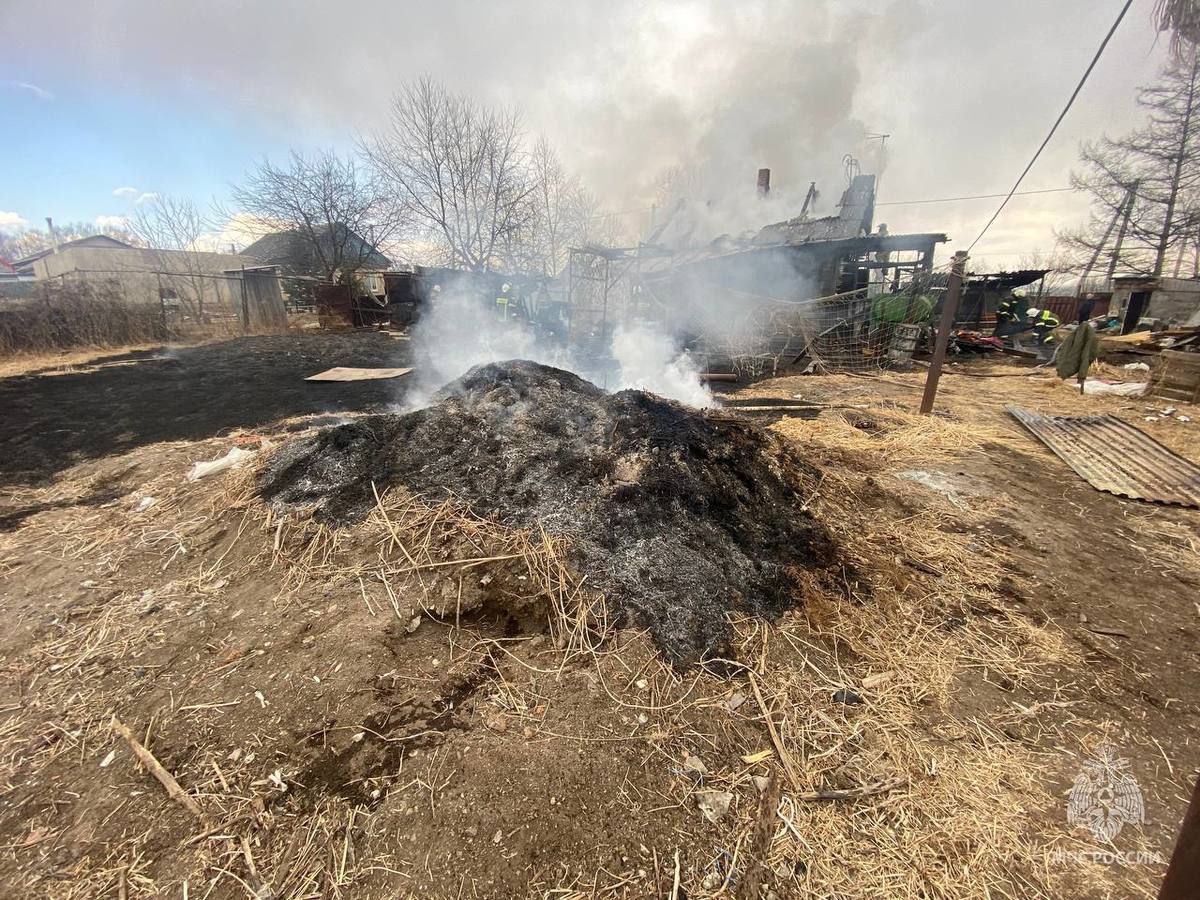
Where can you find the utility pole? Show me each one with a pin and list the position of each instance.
(1091, 264)
(949, 309)
(1126, 212)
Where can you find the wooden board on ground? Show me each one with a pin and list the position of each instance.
(1176, 376)
(347, 373)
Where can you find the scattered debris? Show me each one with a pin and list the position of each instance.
(347, 373)
(1096, 386)
(936, 481)
(714, 804)
(1136, 367)
(847, 696)
(1113, 456)
(234, 458)
(155, 768)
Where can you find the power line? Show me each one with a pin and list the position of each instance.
(623, 212)
(973, 197)
(1062, 115)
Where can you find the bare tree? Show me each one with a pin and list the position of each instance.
(561, 215)
(458, 170)
(334, 214)
(27, 241)
(1145, 186)
(1060, 279)
(172, 229)
(1182, 19)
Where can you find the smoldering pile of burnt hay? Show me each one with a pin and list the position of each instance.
(677, 515)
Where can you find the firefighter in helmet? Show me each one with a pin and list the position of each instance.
(1042, 323)
(1008, 313)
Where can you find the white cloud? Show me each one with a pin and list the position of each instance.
(11, 221)
(111, 222)
(40, 92)
(239, 231)
(126, 192)
(146, 197)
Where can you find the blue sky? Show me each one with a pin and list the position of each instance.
(77, 145)
(182, 97)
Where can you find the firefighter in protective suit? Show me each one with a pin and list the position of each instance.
(1042, 323)
(1008, 314)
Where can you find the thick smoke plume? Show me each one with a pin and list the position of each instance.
(458, 330)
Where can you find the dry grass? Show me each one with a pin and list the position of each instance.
(888, 435)
(916, 792)
(76, 315)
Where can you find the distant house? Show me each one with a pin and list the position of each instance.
(193, 284)
(28, 264)
(295, 254)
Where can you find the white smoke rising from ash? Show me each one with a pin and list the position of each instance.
(650, 361)
(458, 330)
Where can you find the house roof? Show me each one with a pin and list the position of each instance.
(102, 241)
(291, 250)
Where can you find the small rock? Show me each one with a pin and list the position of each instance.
(761, 782)
(498, 836)
(413, 624)
(714, 804)
(711, 881)
(847, 696)
(734, 702)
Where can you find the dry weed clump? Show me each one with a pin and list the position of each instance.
(77, 315)
(891, 436)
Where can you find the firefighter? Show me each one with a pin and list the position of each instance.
(502, 302)
(1008, 313)
(1042, 322)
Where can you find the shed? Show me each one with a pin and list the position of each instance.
(1174, 301)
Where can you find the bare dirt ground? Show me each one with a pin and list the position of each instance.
(431, 705)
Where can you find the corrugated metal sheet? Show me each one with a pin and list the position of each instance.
(1114, 456)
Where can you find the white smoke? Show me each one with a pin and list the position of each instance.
(459, 329)
(650, 361)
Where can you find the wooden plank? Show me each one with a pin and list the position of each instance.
(347, 373)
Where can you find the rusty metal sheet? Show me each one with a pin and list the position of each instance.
(1113, 456)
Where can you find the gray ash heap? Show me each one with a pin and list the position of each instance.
(677, 515)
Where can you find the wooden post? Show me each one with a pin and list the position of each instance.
(162, 303)
(1183, 872)
(245, 305)
(949, 308)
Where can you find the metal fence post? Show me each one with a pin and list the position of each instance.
(949, 309)
(245, 305)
